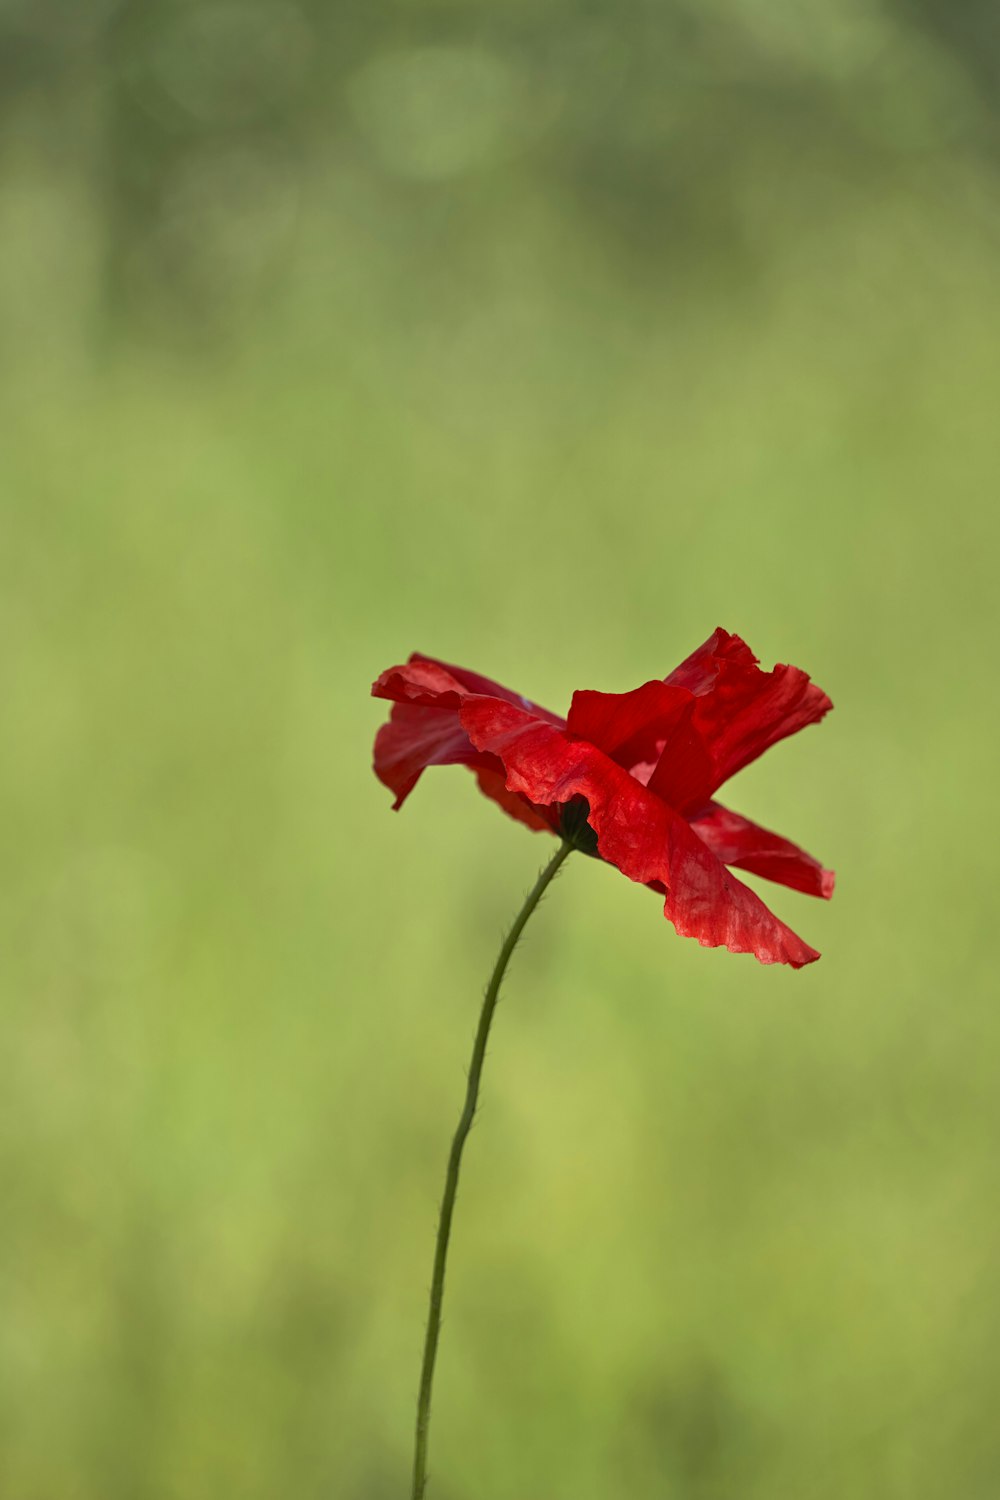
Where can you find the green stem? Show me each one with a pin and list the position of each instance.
(455, 1161)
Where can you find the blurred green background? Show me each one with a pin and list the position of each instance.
(543, 338)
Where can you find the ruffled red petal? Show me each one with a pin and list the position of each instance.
(417, 737)
(737, 713)
(424, 729)
(631, 728)
(736, 841)
(698, 671)
(636, 831)
(435, 684)
(421, 681)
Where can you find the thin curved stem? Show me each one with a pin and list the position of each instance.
(455, 1161)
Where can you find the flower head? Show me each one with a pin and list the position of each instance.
(632, 774)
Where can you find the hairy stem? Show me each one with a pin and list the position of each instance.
(455, 1161)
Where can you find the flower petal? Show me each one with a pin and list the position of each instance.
(630, 727)
(435, 684)
(734, 719)
(424, 729)
(684, 773)
(417, 737)
(636, 831)
(736, 841)
(420, 681)
(699, 671)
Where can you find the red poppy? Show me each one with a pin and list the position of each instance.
(631, 777)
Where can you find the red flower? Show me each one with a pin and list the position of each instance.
(630, 776)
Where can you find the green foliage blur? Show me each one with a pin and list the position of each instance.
(543, 338)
